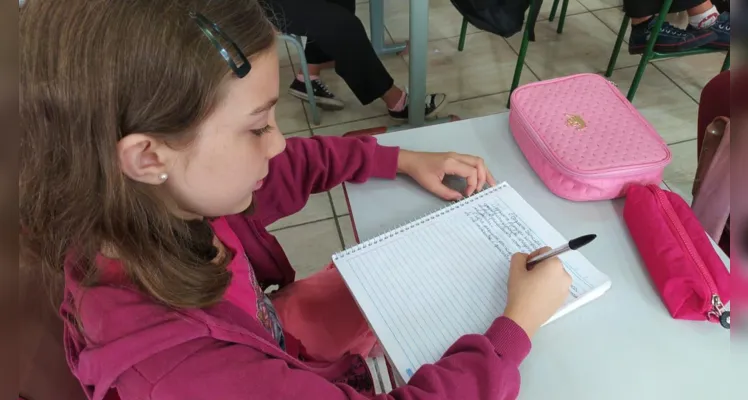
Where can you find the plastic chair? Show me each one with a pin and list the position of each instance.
(295, 40)
(649, 53)
(525, 36)
(711, 186)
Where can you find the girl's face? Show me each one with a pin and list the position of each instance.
(219, 171)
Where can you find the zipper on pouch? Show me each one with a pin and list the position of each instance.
(717, 311)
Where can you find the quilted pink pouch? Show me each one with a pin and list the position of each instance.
(584, 138)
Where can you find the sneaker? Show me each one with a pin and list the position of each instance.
(722, 29)
(435, 102)
(324, 98)
(671, 39)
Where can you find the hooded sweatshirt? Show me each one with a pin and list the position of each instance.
(145, 350)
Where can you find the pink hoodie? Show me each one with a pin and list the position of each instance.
(148, 351)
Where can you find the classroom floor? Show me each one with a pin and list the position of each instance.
(477, 81)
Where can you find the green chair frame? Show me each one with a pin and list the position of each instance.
(295, 40)
(525, 37)
(649, 53)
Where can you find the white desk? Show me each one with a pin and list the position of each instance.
(623, 346)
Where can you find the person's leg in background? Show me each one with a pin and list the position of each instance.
(335, 33)
(706, 17)
(317, 60)
(706, 26)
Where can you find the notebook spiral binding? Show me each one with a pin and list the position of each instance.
(418, 221)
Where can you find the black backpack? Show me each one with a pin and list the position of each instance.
(501, 17)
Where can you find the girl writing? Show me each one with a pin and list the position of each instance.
(151, 165)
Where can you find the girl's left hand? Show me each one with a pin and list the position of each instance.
(429, 170)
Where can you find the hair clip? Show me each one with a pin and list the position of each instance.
(208, 29)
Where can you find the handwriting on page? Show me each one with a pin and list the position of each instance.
(509, 233)
(504, 228)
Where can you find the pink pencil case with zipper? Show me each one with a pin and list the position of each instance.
(686, 270)
(584, 139)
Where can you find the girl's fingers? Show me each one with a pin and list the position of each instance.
(461, 169)
(539, 251)
(484, 176)
(490, 179)
(444, 192)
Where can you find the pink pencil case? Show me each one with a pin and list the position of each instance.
(584, 139)
(686, 270)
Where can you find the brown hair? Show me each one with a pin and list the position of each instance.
(92, 72)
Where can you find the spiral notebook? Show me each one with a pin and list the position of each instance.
(427, 283)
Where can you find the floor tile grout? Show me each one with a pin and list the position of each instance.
(525, 65)
(337, 220)
(518, 33)
(346, 122)
(682, 141)
(302, 224)
(480, 96)
(295, 132)
(606, 25)
(657, 67)
(599, 9)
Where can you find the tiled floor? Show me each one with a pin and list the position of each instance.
(477, 81)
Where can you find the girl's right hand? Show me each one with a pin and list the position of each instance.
(534, 296)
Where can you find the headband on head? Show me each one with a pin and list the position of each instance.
(210, 29)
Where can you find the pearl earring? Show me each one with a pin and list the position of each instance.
(163, 176)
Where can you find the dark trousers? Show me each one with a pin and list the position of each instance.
(645, 8)
(334, 33)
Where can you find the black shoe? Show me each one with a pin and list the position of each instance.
(435, 102)
(670, 39)
(324, 98)
(722, 29)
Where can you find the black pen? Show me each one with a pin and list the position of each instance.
(572, 245)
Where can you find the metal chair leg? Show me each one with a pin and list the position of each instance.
(562, 17)
(463, 33)
(522, 53)
(553, 10)
(376, 26)
(617, 47)
(296, 41)
(726, 63)
(649, 51)
(638, 77)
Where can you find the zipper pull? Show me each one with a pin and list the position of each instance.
(718, 311)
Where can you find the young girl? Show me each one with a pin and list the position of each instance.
(150, 167)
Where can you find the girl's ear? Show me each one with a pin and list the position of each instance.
(143, 158)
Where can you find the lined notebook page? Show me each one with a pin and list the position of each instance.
(424, 285)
